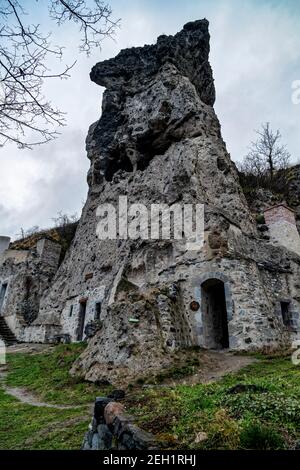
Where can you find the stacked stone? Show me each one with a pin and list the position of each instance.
(112, 428)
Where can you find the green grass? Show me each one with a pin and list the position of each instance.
(251, 419)
(28, 427)
(23, 426)
(183, 368)
(246, 420)
(47, 375)
(261, 437)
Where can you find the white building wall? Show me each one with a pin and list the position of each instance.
(70, 319)
(285, 234)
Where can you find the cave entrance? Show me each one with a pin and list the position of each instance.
(81, 319)
(285, 313)
(214, 315)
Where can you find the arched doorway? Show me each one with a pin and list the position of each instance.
(81, 319)
(214, 314)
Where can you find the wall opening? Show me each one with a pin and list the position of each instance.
(97, 311)
(71, 310)
(2, 295)
(214, 315)
(81, 320)
(285, 313)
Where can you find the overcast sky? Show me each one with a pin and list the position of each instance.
(255, 55)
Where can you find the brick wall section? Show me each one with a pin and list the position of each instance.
(279, 213)
(282, 227)
(112, 428)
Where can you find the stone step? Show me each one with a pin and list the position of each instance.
(6, 334)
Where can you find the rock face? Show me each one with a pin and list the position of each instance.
(141, 117)
(24, 277)
(158, 141)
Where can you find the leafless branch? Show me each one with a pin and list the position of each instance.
(266, 154)
(27, 118)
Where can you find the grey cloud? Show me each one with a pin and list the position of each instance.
(255, 54)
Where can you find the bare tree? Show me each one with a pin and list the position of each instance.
(267, 155)
(62, 220)
(25, 50)
(32, 231)
(21, 234)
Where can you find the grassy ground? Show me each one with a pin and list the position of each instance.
(28, 427)
(47, 375)
(264, 417)
(200, 416)
(24, 426)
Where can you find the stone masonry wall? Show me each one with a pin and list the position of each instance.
(112, 428)
(282, 227)
(71, 312)
(27, 274)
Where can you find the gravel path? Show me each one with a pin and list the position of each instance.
(29, 398)
(213, 366)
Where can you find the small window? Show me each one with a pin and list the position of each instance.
(71, 310)
(97, 310)
(285, 312)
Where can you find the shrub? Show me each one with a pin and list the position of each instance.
(276, 407)
(223, 432)
(256, 436)
(260, 219)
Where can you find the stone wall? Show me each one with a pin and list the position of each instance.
(27, 274)
(112, 428)
(4, 244)
(282, 227)
(71, 313)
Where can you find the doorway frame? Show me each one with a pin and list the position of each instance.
(214, 314)
(81, 319)
(198, 317)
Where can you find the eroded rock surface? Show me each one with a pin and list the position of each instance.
(159, 141)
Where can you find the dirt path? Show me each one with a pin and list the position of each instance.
(22, 394)
(213, 366)
(216, 364)
(29, 348)
(29, 399)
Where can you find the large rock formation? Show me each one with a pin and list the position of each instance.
(158, 141)
(151, 101)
